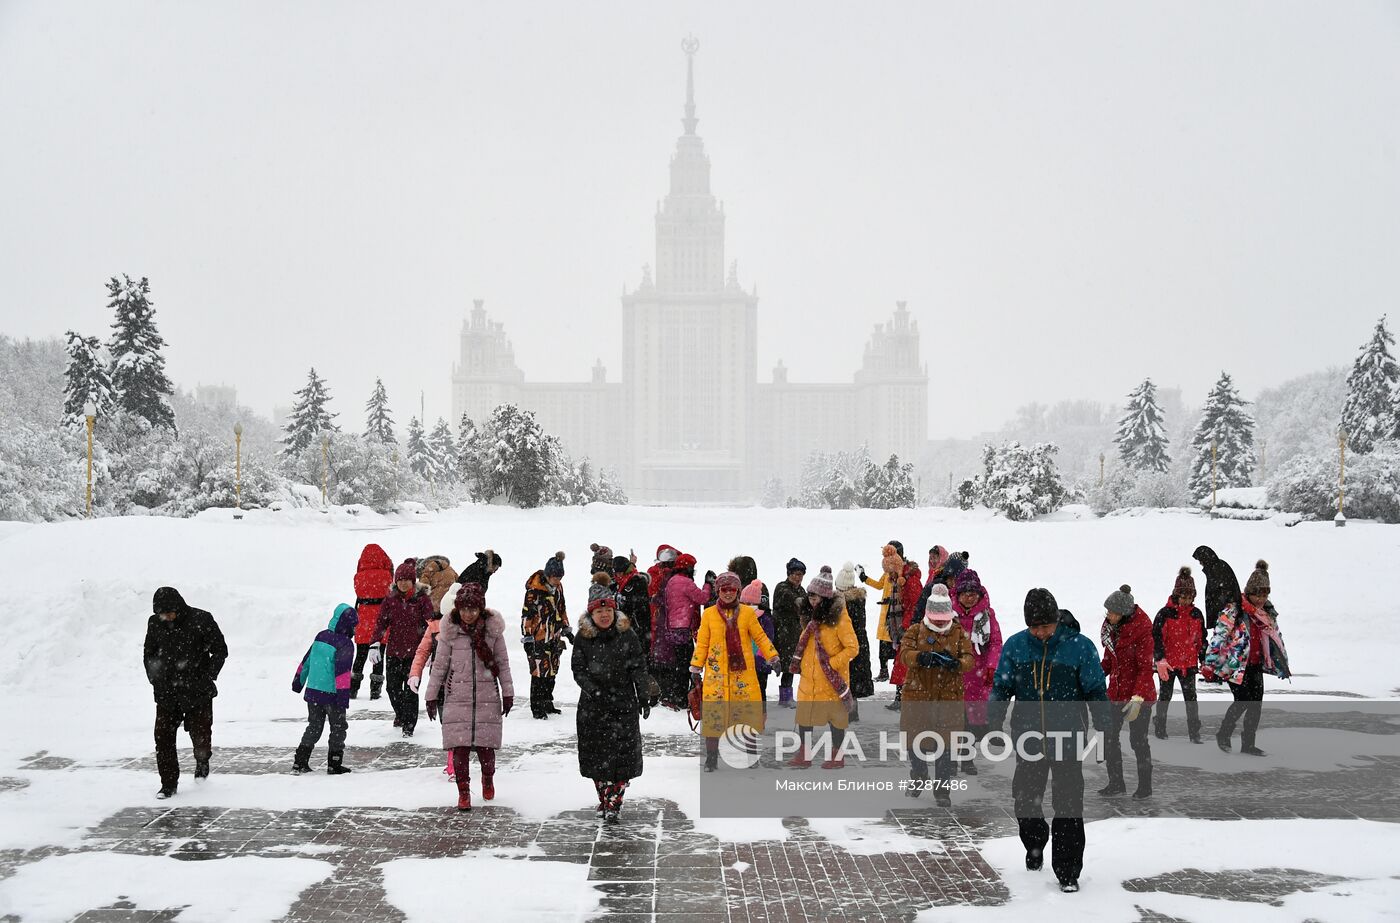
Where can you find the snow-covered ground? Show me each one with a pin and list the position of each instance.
(79, 595)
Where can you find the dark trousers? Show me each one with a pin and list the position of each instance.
(1137, 739)
(942, 766)
(357, 672)
(1066, 797)
(198, 718)
(541, 695)
(316, 715)
(674, 677)
(886, 655)
(1249, 698)
(785, 680)
(403, 699)
(1188, 692)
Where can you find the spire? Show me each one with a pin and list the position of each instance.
(690, 44)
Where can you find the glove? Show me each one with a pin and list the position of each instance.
(694, 679)
(646, 710)
(709, 576)
(567, 634)
(1164, 672)
(375, 654)
(773, 665)
(413, 682)
(507, 702)
(936, 659)
(860, 572)
(1133, 707)
(432, 709)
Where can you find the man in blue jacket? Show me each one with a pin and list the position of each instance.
(1054, 674)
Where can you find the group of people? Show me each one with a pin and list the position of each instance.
(662, 638)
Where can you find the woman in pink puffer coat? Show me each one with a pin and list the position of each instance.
(470, 685)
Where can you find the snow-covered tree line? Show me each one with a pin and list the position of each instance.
(509, 458)
(849, 480)
(157, 450)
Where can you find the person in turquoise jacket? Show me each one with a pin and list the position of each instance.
(325, 674)
(1054, 674)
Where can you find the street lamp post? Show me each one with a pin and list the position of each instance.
(1212, 475)
(1340, 519)
(1100, 469)
(90, 415)
(325, 467)
(238, 470)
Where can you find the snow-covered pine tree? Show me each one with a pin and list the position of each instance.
(310, 418)
(379, 423)
(609, 490)
(85, 379)
(467, 454)
(516, 458)
(442, 449)
(772, 493)
(1226, 424)
(890, 486)
(420, 459)
(139, 382)
(1370, 413)
(1142, 439)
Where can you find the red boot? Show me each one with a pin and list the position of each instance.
(464, 799)
(803, 760)
(488, 787)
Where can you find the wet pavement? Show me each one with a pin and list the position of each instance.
(657, 866)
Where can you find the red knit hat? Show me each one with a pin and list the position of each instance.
(686, 562)
(1185, 583)
(471, 596)
(408, 570)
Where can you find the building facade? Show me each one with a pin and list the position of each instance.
(695, 425)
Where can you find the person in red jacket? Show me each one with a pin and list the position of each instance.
(372, 578)
(1178, 643)
(402, 621)
(1127, 662)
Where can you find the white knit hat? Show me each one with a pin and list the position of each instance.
(938, 601)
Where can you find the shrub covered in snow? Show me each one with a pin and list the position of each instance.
(1018, 481)
(1307, 484)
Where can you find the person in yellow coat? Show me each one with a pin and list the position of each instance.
(823, 658)
(723, 665)
(882, 629)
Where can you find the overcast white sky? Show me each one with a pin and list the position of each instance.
(1069, 196)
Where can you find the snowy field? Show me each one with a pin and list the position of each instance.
(79, 596)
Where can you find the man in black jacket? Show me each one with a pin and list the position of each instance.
(184, 653)
(1222, 586)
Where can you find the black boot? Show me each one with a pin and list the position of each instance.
(376, 686)
(335, 765)
(1113, 788)
(711, 760)
(1159, 728)
(1035, 858)
(201, 768)
(898, 697)
(301, 762)
(1144, 789)
(1223, 742)
(355, 680)
(167, 791)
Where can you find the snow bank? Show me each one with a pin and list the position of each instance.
(238, 890)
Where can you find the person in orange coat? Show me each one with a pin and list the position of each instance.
(373, 575)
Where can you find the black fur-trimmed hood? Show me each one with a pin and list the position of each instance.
(587, 629)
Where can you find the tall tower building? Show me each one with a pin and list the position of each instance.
(696, 426)
(689, 343)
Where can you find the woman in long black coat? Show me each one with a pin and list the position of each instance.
(615, 692)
